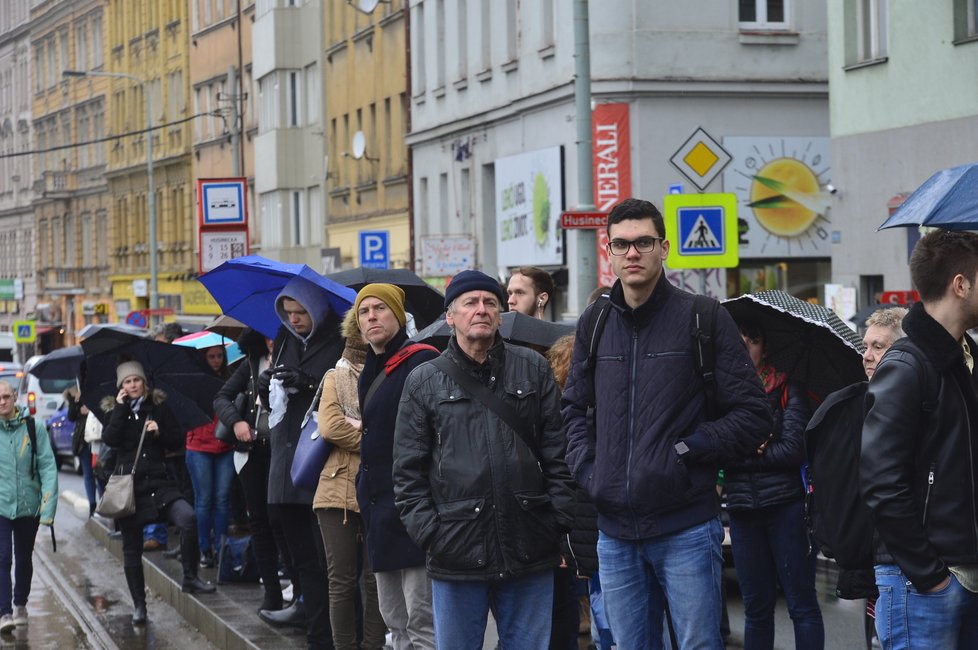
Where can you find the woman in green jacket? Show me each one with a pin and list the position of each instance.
(28, 498)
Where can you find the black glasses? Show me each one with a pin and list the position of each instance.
(642, 245)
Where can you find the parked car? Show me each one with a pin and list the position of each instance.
(60, 430)
(42, 397)
(12, 372)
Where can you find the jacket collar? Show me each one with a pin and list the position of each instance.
(643, 313)
(941, 348)
(491, 368)
(395, 344)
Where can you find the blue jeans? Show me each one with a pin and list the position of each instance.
(683, 569)
(521, 606)
(771, 545)
(17, 548)
(211, 475)
(93, 489)
(907, 619)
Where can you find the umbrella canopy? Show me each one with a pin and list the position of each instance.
(205, 339)
(90, 329)
(948, 199)
(180, 372)
(227, 326)
(859, 318)
(62, 363)
(246, 288)
(808, 342)
(420, 298)
(516, 328)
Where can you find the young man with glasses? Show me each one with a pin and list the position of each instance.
(650, 457)
(28, 498)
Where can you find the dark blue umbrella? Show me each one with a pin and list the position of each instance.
(517, 328)
(948, 199)
(246, 288)
(62, 363)
(180, 372)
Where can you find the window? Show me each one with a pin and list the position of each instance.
(52, 68)
(512, 44)
(547, 23)
(317, 227)
(763, 14)
(207, 12)
(70, 239)
(486, 40)
(101, 236)
(39, 80)
(97, 41)
(199, 122)
(81, 118)
(418, 33)
(268, 104)
(443, 213)
(81, 45)
(98, 132)
(63, 41)
(386, 153)
(871, 30)
(194, 16)
(440, 43)
(294, 99)
(298, 227)
(462, 51)
(270, 209)
(312, 93)
(965, 20)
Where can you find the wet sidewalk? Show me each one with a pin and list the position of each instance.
(228, 618)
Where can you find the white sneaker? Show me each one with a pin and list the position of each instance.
(7, 623)
(287, 594)
(20, 615)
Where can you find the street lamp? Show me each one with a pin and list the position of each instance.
(153, 274)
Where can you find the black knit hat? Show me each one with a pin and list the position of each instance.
(473, 281)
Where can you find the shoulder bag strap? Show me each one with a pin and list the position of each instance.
(490, 400)
(374, 385)
(139, 449)
(314, 405)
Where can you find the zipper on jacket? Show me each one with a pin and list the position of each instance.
(930, 485)
(631, 425)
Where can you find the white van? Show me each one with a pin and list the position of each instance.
(42, 397)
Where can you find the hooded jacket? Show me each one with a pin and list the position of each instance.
(312, 354)
(123, 428)
(649, 397)
(22, 493)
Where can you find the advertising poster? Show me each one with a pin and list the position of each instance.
(611, 146)
(529, 200)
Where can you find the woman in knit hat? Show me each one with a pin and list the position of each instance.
(134, 409)
(335, 502)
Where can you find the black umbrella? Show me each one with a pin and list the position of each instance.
(92, 328)
(516, 328)
(180, 372)
(808, 342)
(422, 300)
(859, 318)
(62, 363)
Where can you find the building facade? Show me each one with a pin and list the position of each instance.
(72, 207)
(903, 104)
(149, 39)
(290, 150)
(221, 86)
(18, 286)
(366, 93)
(492, 97)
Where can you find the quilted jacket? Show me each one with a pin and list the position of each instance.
(649, 397)
(479, 500)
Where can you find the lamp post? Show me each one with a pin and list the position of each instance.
(151, 187)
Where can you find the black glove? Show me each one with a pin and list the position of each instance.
(294, 378)
(264, 381)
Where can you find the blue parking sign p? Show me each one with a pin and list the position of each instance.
(375, 249)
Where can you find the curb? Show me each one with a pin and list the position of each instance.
(210, 614)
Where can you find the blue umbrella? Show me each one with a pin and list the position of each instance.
(948, 199)
(246, 288)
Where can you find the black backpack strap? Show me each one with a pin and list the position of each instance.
(483, 394)
(32, 434)
(704, 319)
(595, 326)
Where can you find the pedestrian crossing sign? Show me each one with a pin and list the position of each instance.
(702, 231)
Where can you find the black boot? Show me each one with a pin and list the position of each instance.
(137, 589)
(191, 583)
(294, 615)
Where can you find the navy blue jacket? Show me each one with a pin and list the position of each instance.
(389, 547)
(649, 397)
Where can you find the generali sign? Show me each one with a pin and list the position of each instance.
(611, 147)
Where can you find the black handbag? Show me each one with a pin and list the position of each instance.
(225, 434)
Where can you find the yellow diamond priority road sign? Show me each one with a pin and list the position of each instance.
(701, 159)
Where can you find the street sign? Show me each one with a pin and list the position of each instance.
(701, 159)
(571, 219)
(702, 231)
(222, 201)
(899, 297)
(136, 318)
(375, 249)
(24, 331)
(219, 246)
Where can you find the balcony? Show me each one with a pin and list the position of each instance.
(52, 184)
